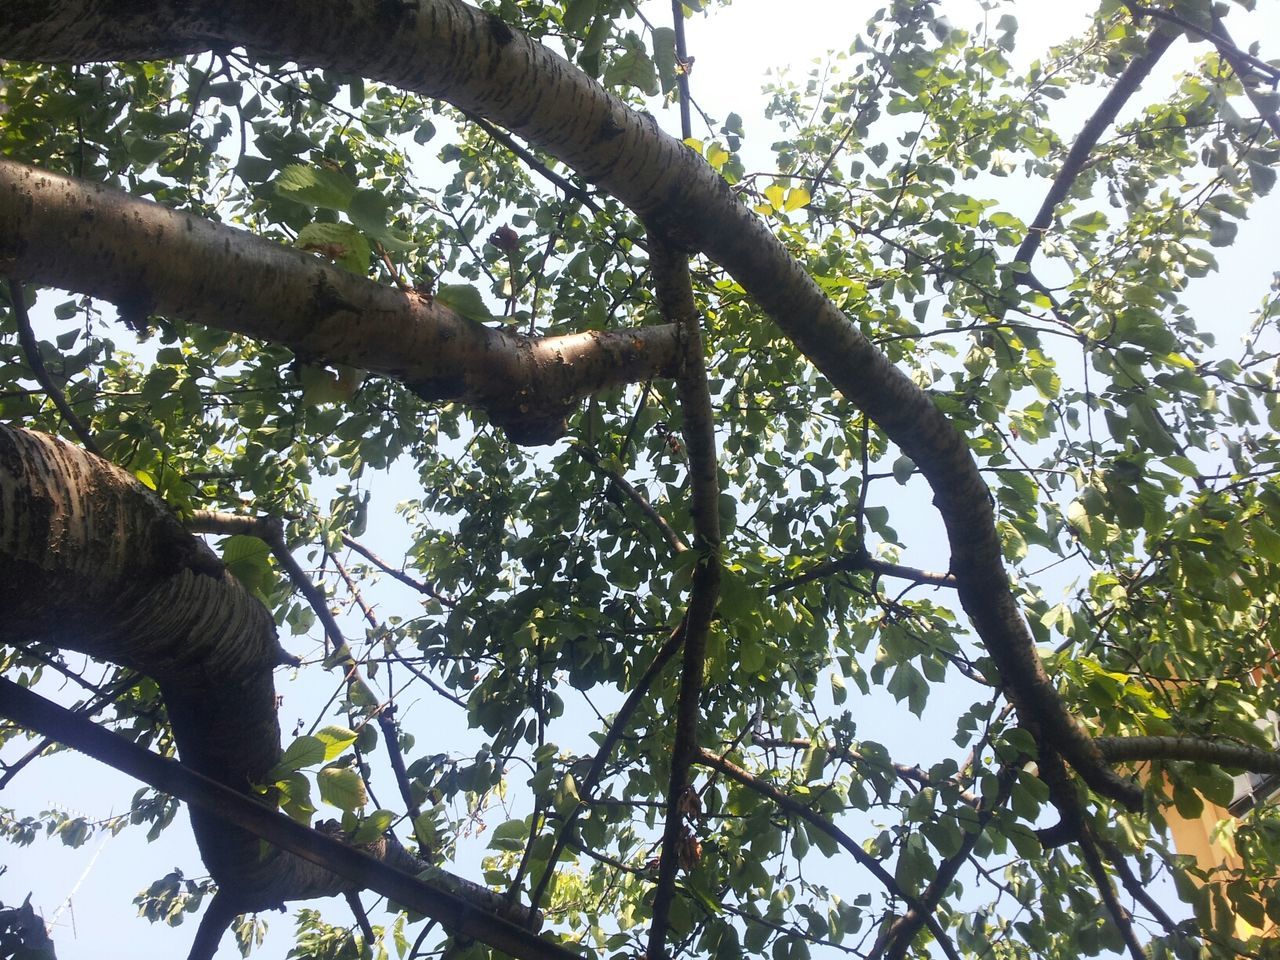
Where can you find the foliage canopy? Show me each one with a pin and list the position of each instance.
(667, 513)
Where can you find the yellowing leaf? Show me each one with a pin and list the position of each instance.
(797, 197)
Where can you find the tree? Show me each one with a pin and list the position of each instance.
(656, 403)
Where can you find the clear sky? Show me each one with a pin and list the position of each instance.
(734, 47)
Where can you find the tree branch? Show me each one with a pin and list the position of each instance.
(27, 338)
(902, 932)
(148, 259)
(1240, 62)
(1235, 755)
(1125, 87)
(905, 772)
(419, 585)
(457, 913)
(674, 540)
(1119, 915)
(861, 560)
(617, 728)
(1217, 36)
(675, 295)
(447, 49)
(731, 770)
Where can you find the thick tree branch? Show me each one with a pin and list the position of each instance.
(1126, 86)
(148, 259)
(447, 49)
(675, 295)
(158, 601)
(1238, 756)
(458, 913)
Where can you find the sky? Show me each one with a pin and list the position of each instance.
(87, 893)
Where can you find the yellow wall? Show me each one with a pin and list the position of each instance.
(1213, 849)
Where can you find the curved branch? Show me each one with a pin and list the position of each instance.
(148, 259)
(675, 295)
(1125, 87)
(447, 49)
(674, 540)
(94, 562)
(27, 338)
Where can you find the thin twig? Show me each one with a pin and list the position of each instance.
(421, 586)
(796, 808)
(617, 728)
(31, 349)
(635, 496)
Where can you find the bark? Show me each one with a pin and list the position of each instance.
(148, 259)
(675, 295)
(94, 562)
(446, 49)
(1126, 86)
(1237, 756)
(461, 906)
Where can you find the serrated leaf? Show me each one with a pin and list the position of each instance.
(248, 559)
(316, 186)
(342, 787)
(343, 243)
(664, 57)
(373, 826)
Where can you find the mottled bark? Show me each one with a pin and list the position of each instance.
(94, 562)
(446, 49)
(1221, 753)
(148, 259)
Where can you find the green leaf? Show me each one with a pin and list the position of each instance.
(303, 752)
(335, 740)
(316, 186)
(248, 559)
(578, 14)
(664, 57)
(342, 787)
(373, 826)
(464, 300)
(343, 243)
